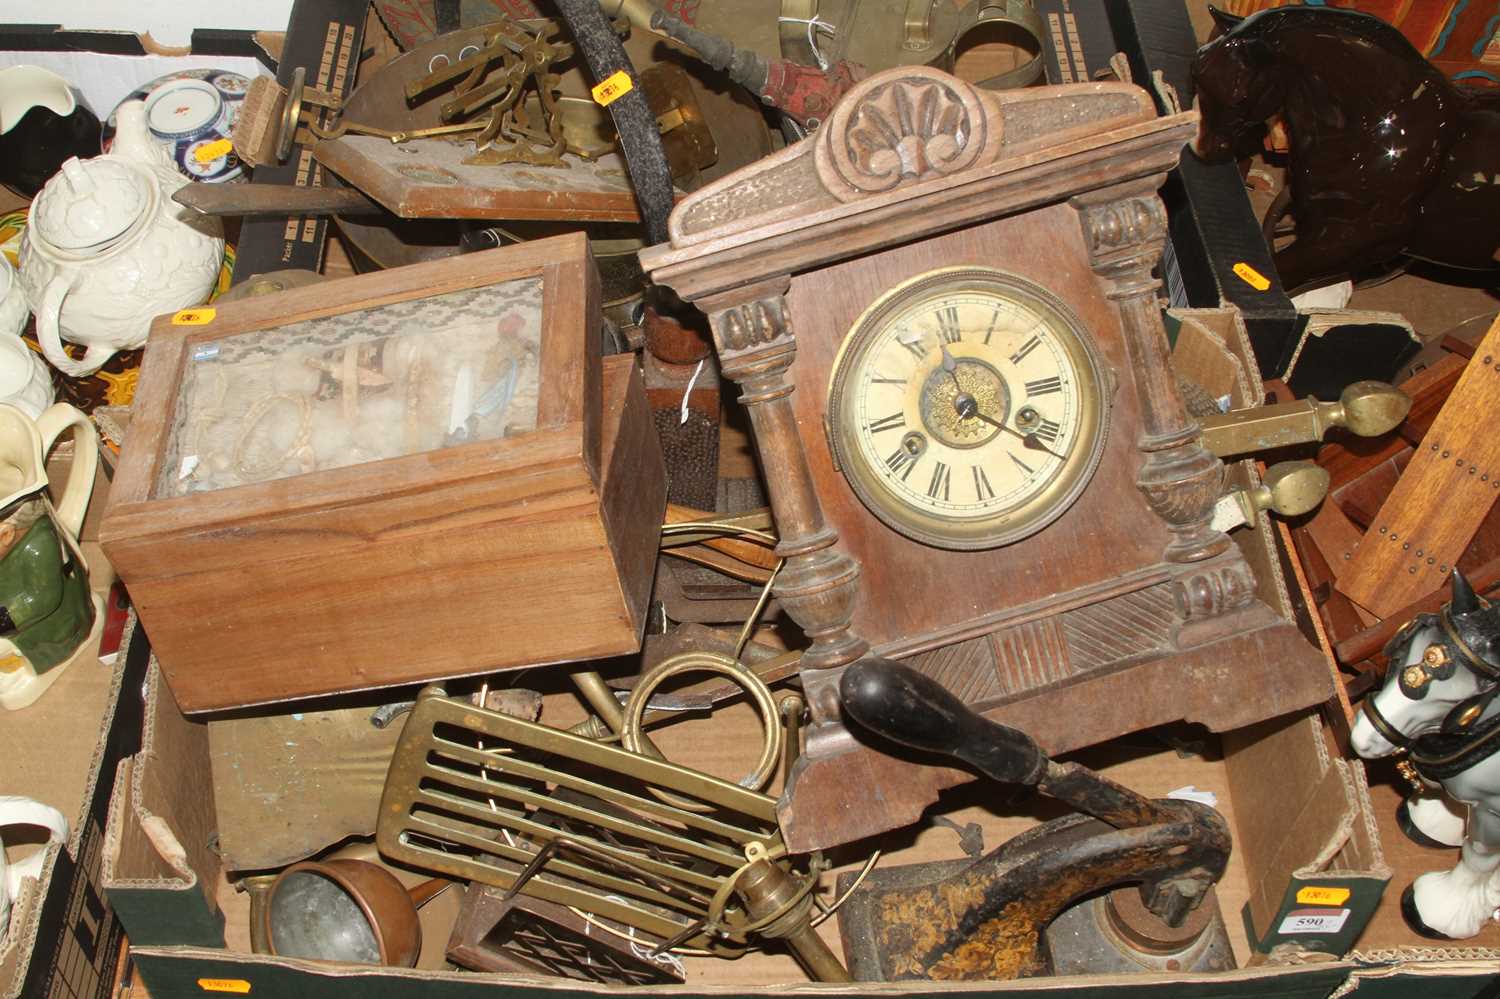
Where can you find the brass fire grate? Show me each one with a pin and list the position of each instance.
(655, 847)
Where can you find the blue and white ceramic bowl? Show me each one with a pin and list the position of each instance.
(192, 113)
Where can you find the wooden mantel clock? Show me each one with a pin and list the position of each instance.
(941, 314)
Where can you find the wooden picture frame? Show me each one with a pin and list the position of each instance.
(410, 568)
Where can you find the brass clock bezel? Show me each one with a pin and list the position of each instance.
(1037, 510)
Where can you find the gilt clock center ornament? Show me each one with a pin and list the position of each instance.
(941, 313)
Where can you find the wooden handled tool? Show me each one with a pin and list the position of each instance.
(902, 705)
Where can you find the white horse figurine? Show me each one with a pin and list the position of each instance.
(1439, 704)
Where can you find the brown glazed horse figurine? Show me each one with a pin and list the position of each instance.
(1388, 158)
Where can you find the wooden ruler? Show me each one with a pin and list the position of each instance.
(1441, 499)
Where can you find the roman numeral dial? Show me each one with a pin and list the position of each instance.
(966, 408)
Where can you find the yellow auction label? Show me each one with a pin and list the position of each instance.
(1251, 276)
(1316, 895)
(613, 88)
(210, 151)
(238, 985)
(194, 317)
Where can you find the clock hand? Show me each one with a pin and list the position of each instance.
(966, 406)
(1034, 443)
(951, 366)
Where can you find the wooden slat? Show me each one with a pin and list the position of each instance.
(1443, 497)
(1351, 457)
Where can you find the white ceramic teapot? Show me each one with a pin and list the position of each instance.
(106, 249)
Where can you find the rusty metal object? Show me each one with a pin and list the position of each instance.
(675, 342)
(532, 936)
(929, 920)
(987, 919)
(805, 93)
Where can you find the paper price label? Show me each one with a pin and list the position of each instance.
(1251, 276)
(194, 317)
(236, 985)
(1314, 921)
(210, 151)
(616, 86)
(1227, 516)
(1320, 895)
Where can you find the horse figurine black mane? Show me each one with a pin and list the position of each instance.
(1387, 157)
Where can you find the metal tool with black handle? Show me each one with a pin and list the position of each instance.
(986, 919)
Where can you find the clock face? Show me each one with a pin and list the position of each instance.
(967, 408)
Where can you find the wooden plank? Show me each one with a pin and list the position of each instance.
(427, 179)
(1338, 710)
(1351, 457)
(1444, 495)
(1370, 641)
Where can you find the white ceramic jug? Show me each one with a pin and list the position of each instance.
(13, 309)
(106, 249)
(25, 381)
(16, 811)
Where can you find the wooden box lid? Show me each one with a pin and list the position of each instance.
(381, 383)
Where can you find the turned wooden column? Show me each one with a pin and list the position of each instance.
(818, 584)
(1125, 227)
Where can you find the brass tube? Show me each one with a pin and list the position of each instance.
(766, 889)
(637, 12)
(258, 888)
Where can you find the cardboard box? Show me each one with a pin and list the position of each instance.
(167, 22)
(1304, 832)
(64, 939)
(1300, 818)
(188, 925)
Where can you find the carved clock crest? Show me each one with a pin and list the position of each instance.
(941, 314)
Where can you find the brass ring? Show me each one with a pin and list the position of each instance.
(741, 931)
(706, 662)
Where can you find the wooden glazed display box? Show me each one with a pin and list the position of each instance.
(456, 555)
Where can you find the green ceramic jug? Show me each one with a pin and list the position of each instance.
(48, 615)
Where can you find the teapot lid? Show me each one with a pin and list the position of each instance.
(89, 202)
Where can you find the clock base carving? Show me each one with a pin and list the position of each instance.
(843, 789)
(942, 318)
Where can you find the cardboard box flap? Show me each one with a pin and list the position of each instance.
(161, 830)
(183, 970)
(1362, 850)
(1307, 836)
(1463, 974)
(20, 940)
(1212, 350)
